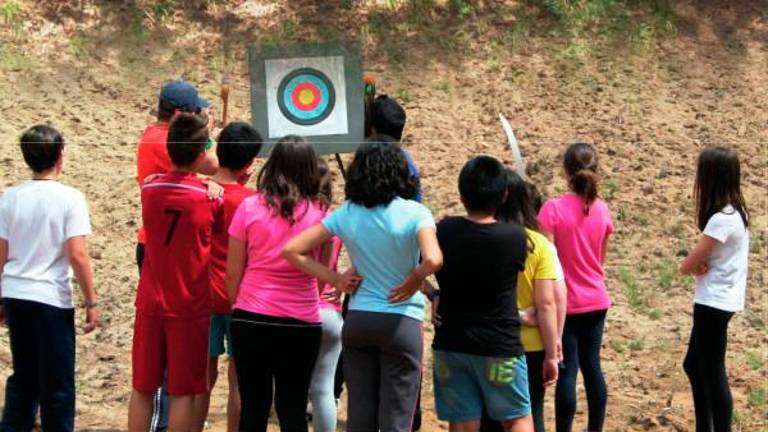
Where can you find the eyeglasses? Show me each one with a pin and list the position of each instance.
(209, 144)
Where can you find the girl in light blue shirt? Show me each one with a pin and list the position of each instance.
(386, 235)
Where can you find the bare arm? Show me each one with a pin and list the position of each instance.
(546, 314)
(561, 298)
(236, 257)
(696, 261)
(77, 251)
(325, 259)
(431, 262)
(3, 260)
(297, 252)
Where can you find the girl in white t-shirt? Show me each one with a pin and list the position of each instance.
(719, 263)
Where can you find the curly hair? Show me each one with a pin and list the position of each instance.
(379, 174)
(289, 176)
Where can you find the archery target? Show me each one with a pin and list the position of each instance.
(306, 96)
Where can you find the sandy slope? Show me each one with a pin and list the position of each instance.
(648, 114)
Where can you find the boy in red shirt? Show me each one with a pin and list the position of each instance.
(152, 159)
(151, 154)
(173, 303)
(237, 147)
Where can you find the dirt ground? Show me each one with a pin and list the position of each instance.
(94, 70)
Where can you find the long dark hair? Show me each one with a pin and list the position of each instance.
(580, 163)
(325, 191)
(718, 184)
(379, 174)
(518, 208)
(289, 176)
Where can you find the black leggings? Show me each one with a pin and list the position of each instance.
(273, 354)
(705, 366)
(582, 337)
(535, 361)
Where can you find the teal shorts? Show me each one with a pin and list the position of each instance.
(221, 325)
(464, 382)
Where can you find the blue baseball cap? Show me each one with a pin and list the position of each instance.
(183, 95)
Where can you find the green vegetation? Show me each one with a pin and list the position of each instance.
(621, 346)
(610, 187)
(162, 9)
(618, 346)
(12, 59)
(667, 272)
(636, 345)
(756, 397)
(288, 29)
(755, 320)
(10, 11)
(462, 7)
(754, 360)
(637, 297)
(654, 314)
(403, 95)
(78, 46)
(632, 290)
(758, 242)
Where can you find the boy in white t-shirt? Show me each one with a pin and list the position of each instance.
(43, 225)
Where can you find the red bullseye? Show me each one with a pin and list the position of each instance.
(306, 96)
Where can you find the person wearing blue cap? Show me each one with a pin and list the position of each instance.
(152, 158)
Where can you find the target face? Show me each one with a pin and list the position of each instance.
(312, 90)
(306, 96)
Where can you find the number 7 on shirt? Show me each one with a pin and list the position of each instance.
(175, 215)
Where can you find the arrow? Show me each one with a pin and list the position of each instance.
(224, 93)
(514, 146)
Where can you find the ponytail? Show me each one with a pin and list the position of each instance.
(580, 162)
(584, 184)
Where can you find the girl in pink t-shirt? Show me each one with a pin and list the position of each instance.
(580, 223)
(276, 330)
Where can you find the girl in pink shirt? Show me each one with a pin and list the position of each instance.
(580, 223)
(276, 330)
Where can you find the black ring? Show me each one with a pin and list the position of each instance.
(324, 79)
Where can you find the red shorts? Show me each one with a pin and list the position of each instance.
(178, 344)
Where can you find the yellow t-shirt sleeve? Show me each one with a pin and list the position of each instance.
(546, 267)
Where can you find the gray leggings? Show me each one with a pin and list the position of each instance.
(321, 391)
(382, 367)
